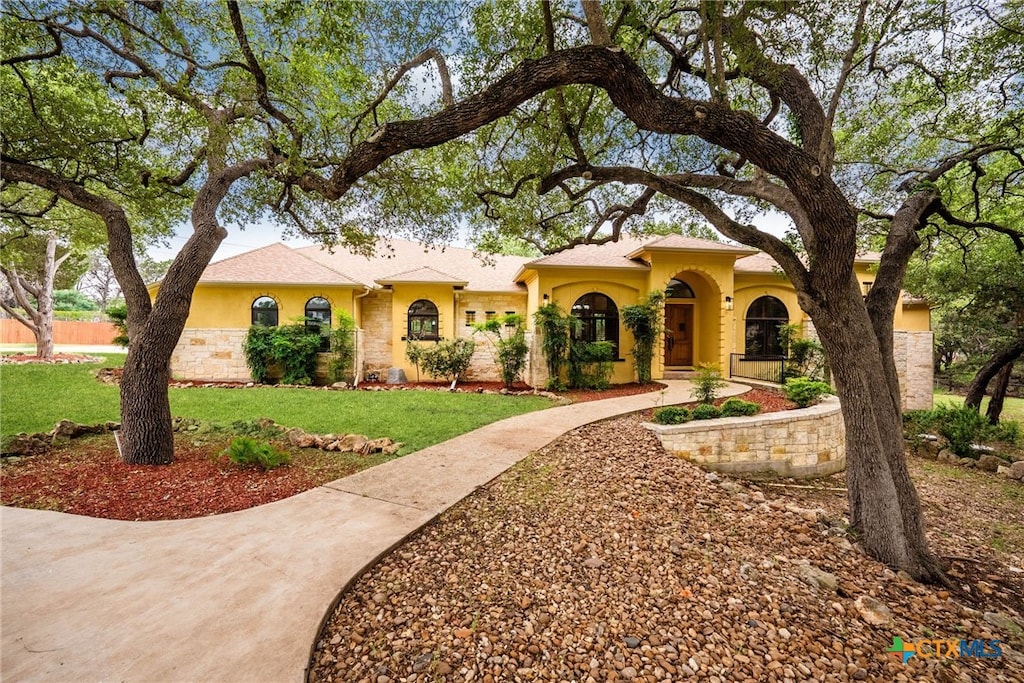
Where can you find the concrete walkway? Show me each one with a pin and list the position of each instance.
(241, 596)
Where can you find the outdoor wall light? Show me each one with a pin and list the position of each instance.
(728, 303)
(546, 297)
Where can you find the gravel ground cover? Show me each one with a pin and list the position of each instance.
(602, 558)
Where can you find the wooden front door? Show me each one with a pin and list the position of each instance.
(678, 334)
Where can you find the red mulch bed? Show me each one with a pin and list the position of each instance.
(86, 477)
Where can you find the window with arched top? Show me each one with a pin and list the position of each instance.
(318, 319)
(599, 319)
(764, 318)
(677, 289)
(264, 311)
(423, 320)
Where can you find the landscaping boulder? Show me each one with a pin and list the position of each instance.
(396, 376)
(1016, 470)
(872, 611)
(989, 463)
(301, 439)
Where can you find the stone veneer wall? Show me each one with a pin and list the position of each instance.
(376, 333)
(484, 367)
(914, 365)
(210, 354)
(808, 442)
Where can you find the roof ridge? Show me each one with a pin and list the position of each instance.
(321, 264)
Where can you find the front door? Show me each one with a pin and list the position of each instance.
(678, 334)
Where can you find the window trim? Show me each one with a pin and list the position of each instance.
(768, 336)
(254, 309)
(412, 317)
(589, 329)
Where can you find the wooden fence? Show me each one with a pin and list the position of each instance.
(64, 332)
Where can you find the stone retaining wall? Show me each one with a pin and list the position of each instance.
(211, 354)
(803, 443)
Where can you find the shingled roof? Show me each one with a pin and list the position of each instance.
(275, 263)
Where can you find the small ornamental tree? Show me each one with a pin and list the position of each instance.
(644, 321)
(343, 348)
(507, 336)
(555, 327)
(448, 359)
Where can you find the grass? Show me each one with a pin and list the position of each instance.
(1013, 408)
(34, 397)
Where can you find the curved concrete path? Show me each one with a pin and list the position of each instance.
(240, 596)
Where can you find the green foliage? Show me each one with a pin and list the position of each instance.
(644, 321)
(507, 336)
(118, 314)
(415, 352)
(706, 411)
(804, 391)
(448, 359)
(672, 415)
(805, 356)
(343, 348)
(708, 382)
(290, 348)
(72, 300)
(961, 426)
(416, 418)
(737, 407)
(555, 327)
(590, 364)
(246, 452)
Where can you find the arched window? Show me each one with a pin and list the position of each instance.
(599, 319)
(318, 319)
(264, 311)
(764, 318)
(423, 320)
(677, 289)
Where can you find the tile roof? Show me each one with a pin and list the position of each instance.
(457, 265)
(274, 263)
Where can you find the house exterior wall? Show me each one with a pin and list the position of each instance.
(211, 354)
(484, 367)
(375, 319)
(229, 306)
(912, 351)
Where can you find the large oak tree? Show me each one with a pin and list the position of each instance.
(838, 116)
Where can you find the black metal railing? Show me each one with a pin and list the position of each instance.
(764, 368)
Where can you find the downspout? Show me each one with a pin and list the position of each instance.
(357, 376)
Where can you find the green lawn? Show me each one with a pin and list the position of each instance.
(34, 397)
(1013, 408)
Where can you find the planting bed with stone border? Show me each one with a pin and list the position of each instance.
(803, 443)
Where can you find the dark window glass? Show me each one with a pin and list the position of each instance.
(264, 311)
(764, 318)
(318, 318)
(423, 320)
(677, 289)
(599, 319)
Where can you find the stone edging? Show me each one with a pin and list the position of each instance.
(802, 443)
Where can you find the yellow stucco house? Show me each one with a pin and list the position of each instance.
(724, 304)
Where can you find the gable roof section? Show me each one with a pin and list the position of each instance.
(422, 275)
(277, 264)
(681, 243)
(404, 258)
(607, 255)
(763, 263)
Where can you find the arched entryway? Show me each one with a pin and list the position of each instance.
(693, 320)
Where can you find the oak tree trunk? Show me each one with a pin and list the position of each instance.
(976, 389)
(884, 508)
(995, 404)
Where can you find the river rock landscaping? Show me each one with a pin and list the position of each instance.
(603, 558)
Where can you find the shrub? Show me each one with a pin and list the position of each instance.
(706, 411)
(292, 348)
(804, 391)
(510, 346)
(672, 415)
(555, 327)
(960, 426)
(118, 314)
(644, 321)
(707, 383)
(448, 359)
(246, 452)
(590, 364)
(343, 348)
(414, 352)
(806, 356)
(737, 407)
